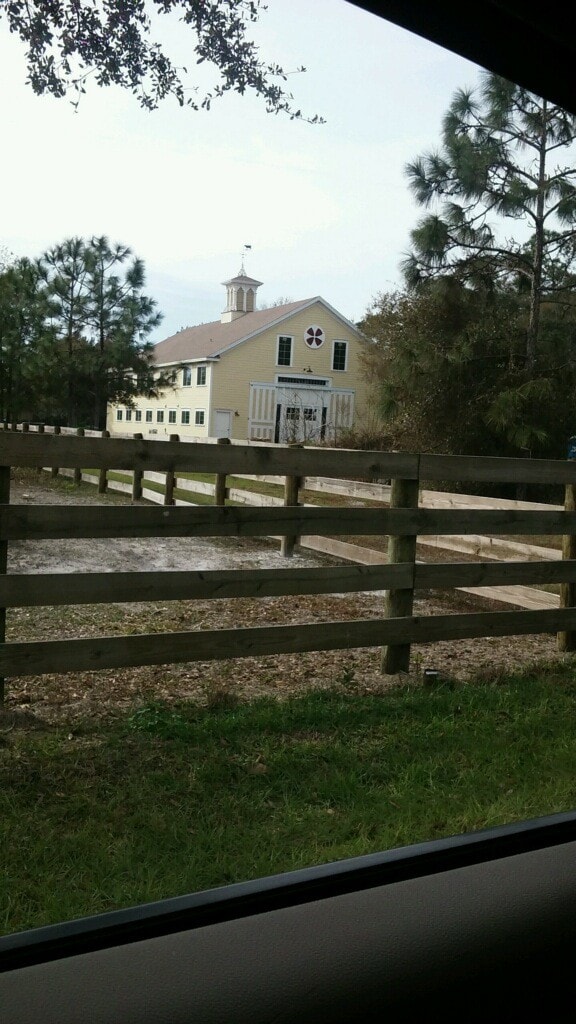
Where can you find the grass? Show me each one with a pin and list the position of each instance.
(174, 799)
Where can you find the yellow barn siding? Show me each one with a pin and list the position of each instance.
(179, 398)
(255, 360)
(228, 380)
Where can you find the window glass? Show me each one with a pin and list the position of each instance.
(284, 351)
(339, 354)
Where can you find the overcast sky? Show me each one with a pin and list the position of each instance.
(325, 208)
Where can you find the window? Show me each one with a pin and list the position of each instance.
(185, 416)
(148, 415)
(128, 414)
(200, 375)
(339, 355)
(310, 414)
(199, 417)
(284, 351)
(186, 376)
(138, 415)
(292, 412)
(172, 416)
(118, 414)
(160, 416)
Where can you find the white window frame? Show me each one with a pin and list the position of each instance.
(285, 337)
(128, 415)
(160, 416)
(119, 415)
(201, 371)
(185, 417)
(199, 417)
(187, 377)
(138, 415)
(345, 367)
(172, 416)
(149, 415)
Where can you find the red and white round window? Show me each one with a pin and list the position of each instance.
(314, 337)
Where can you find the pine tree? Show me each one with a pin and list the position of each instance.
(499, 167)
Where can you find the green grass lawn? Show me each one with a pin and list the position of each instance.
(171, 800)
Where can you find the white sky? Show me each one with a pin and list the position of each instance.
(325, 208)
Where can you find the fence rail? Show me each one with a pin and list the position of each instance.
(395, 630)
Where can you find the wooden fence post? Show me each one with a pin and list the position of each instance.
(4, 500)
(40, 431)
(398, 603)
(78, 469)
(170, 482)
(292, 485)
(137, 477)
(567, 638)
(102, 477)
(220, 481)
(54, 470)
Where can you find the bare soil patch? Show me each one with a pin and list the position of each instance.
(71, 697)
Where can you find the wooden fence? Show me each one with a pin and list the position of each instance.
(402, 522)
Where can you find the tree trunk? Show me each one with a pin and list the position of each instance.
(536, 285)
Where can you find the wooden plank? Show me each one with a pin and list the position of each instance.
(41, 657)
(19, 522)
(399, 602)
(119, 453)
(490, 547)
(567, 639)
(491, 574)
(496, 470)
(4, 499)
(29, 590)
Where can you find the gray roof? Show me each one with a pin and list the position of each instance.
(212, 339)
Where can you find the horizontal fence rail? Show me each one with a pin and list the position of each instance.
(402, 523)
(216, 645)
(43, 522)
(36, 450)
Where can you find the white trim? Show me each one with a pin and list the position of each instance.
(198, 412)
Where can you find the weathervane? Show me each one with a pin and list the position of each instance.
(242, 255)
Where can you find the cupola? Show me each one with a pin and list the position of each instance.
(240, 296)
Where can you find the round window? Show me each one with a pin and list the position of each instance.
(314, 337)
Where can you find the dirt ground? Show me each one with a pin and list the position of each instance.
(68, 698)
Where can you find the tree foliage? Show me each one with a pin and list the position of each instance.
(448, 361)
(74, 328)
(507, 163)
(67, 41)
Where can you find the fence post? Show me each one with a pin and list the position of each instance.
(54, 470)
(220, 481)
(40, 431)
(292, 485)
(398, 603)
(102, 478)
(78, 469)
(25, 427)
(170, 478)
(4, 500)
(137, 476)
(567, 638)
